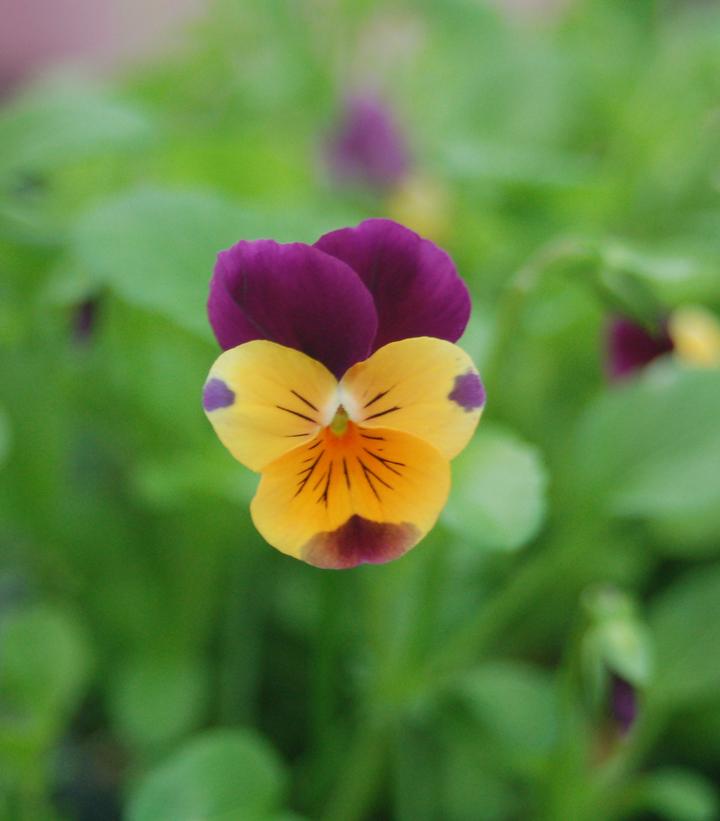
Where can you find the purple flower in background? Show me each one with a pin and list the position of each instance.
(367, 147)
(623, 702)
(84, 319)
(630, 347)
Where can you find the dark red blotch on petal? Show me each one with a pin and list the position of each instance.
(294, 295)
(360, 541)
(415, 285)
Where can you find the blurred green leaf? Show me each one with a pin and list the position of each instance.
(678, 795)
(516, 703)
(155, 699)
(651, 448)
(63, 122)
(5, 435)
(156, 248)
(172, 482)
(685, 621)
(498, 496)
(231, 775)
(45, 665)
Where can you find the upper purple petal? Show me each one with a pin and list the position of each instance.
(415, 285)
(630, 347)
(294, 295)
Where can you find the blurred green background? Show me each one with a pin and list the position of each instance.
(158, 662)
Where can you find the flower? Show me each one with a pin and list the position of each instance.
(367, 148)
(623, 702)
(630, 347)
(691, 333)
(340, 384)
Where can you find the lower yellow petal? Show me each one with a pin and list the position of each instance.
(365, 497)
(264, 399)
(424, 386)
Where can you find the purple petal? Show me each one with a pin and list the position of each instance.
(294, 295)
(367, 147)
(630, 347)
(415, 285)
(623, 699)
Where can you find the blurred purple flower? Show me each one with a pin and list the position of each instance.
(630, 347)
(367, 147)
(623, 702)
(84, 320)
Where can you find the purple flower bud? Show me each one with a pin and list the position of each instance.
(623, 702)
(366, 147)
(630, 347)
(84, 320)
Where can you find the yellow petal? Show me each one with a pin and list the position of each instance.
(367, 496)
(695, 333)
(424, 386)
(264, 399)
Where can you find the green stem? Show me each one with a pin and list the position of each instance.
(361, 774)
(534, 576)
(523, 284)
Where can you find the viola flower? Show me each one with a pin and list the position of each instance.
(623, 702)
(367, 147)
(340, 384)
(691, 333)
(631, 347)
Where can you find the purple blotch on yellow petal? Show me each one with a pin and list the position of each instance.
(468, 391)
(360, 541)
(216, 395)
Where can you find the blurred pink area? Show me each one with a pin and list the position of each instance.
(36, 35)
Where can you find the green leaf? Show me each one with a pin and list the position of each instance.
(651, 448)
(154, 700)
(678, 795)
(45, 665)
(515, 702)
(685, 621)
(156, 248)
(5, 435)
(498, 498)
(222, 774)
(64, 122)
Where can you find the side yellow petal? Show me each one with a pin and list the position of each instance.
(264, 399)
(365, 497)
(424, 386)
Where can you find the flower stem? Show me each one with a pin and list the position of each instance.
(361, 773)
(523, 284)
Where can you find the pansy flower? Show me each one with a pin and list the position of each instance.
(367, 147)
(691, 333)
(340, 384)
